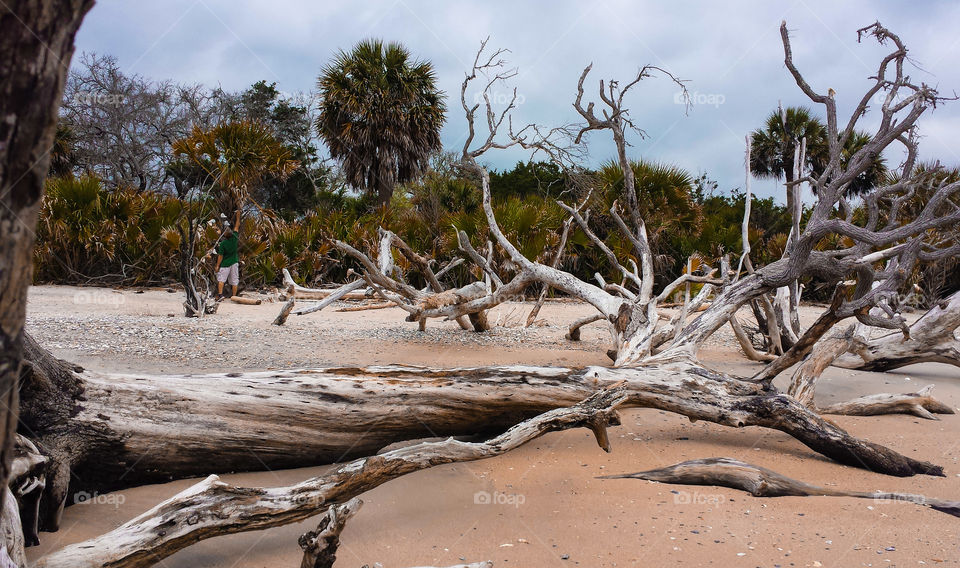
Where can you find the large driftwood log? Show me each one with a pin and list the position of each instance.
(933, 339)
(918, 403)
(366, 307)
(213, 508)
(114, 431)
(763, 482)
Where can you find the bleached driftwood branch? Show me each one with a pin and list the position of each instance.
(763, 482)
(213, 507)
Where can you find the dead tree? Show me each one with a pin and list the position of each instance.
(412, 300)
(105, 432)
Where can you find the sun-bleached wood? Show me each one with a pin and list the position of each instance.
(762, 482)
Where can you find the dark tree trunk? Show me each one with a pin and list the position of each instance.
(36, 44)
(384, 192)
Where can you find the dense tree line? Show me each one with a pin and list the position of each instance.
(139, 166)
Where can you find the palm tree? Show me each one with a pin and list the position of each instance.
(233, 158)
(665, 200)
(63, 153)
(773, 147)
(664, 196)
(381, 115)
(870, 178)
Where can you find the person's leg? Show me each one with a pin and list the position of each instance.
(234, 278)
(222, 275)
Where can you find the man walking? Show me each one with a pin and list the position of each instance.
(228, 259)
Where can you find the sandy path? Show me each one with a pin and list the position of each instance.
(551, 505)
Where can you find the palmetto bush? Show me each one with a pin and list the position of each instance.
(90, 234)
(87, 233)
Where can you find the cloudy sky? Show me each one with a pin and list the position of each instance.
(729, 52)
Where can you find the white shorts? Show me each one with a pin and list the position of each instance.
(229, 274)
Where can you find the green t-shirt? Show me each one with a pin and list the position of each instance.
(228, 249)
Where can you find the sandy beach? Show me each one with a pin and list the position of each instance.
(542, 505)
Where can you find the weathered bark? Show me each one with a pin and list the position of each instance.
(573, 333)
(763, 482)
(284, 312)
(933, 339)
(746, 345)
(28, 479)
(11, 536)
(365, 307)
(213, 508)
(804, 381)
(340, 293)
(806, 342)
(320, 546)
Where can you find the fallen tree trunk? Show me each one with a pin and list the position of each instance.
(365, 307)
(763, 482)
(918, 403)
(105, 432)
(245, 301)
(803, 385)
(214, 508)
